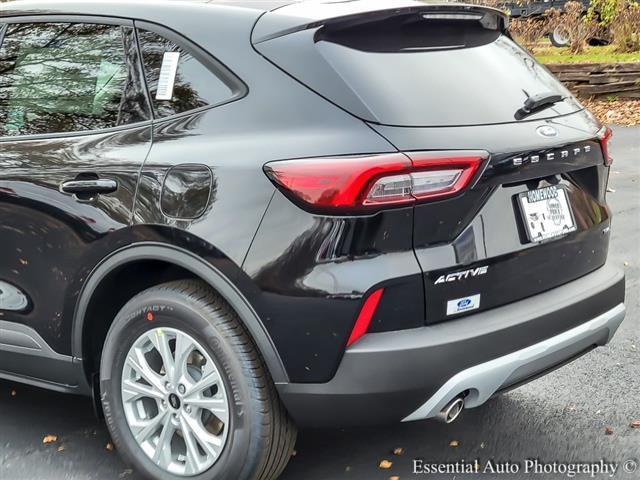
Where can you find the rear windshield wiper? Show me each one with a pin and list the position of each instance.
(537, 103)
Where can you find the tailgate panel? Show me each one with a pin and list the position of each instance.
(474, 248)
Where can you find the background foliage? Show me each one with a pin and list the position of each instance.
(615, 21)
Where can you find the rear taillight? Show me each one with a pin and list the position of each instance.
(344, 184)
(605, 135)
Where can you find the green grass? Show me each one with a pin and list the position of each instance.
(604, 54)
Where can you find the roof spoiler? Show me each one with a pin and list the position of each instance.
(313, 14)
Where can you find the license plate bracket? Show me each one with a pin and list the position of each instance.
(546, 213)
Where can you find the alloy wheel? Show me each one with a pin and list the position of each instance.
(175, 401)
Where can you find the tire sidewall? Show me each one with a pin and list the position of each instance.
(173, 311)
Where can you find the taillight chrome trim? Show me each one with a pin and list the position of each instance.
(470, 161)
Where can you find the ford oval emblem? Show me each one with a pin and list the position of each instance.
(547, 131)
(464, 303)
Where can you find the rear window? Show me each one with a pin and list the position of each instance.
(411, 70)
(178, 82)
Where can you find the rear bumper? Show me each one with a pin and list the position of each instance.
(411, 374)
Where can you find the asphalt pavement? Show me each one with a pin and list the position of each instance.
(578, 414)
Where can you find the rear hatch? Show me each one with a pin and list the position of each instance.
(442, 78)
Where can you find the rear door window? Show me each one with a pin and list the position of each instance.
(178, 82)
(68, 77)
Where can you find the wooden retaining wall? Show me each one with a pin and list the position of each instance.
(600, 79)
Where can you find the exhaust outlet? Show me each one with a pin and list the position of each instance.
(452, 410)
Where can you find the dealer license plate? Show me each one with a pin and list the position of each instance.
(547, 213)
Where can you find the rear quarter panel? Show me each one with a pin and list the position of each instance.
(278, 119)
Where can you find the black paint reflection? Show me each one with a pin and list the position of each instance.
(51, 240)
(187, 191)
(286, 274)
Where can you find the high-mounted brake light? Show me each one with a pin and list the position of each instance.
(356, 184)
(605, 135)
(452, 16)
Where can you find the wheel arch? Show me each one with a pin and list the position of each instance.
(185, 260)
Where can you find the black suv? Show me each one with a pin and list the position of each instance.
(223, 221)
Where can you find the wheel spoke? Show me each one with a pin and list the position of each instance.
(206, 382)
(161, 343)
(132, 390)
(139, 364)
(162, 455)
(192, 462)
(184, 347)
(214, 405)
(145, 429)
(209, 442)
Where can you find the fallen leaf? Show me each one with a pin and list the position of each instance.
(49, 439)
(394, 477)
(398, 451)
(385, 464)
(126, 473)
(608, 431)
(482, 444)
(109, 446)
(635, 424)
(454, 443)
(620, 111)
(61, 448)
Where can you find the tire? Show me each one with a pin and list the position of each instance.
(254, 436)
(560, 37)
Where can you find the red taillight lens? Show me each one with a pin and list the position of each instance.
(605, 135)
(334, 183)
(368, 183)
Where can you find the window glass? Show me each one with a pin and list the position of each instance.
(411, 70)
(177, 81)
(63, 77)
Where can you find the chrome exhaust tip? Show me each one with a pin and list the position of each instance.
(452, 410)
